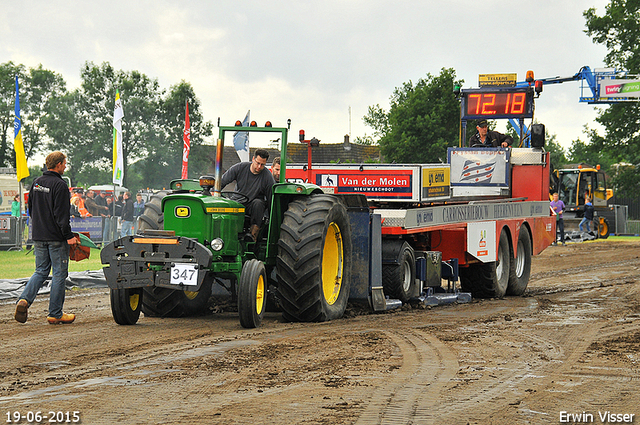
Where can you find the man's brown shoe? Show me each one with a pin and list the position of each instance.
(66, 318)
(22, 310)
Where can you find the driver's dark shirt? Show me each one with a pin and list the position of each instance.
(253, 186)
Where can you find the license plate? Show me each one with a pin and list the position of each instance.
(184, 274)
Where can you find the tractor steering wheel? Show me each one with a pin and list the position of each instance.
(235, 196)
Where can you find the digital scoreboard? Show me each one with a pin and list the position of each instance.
(494, 103)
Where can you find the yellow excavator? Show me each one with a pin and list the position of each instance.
(572, 184)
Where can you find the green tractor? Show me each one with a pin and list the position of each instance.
(193, 237)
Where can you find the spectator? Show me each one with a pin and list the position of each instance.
(557, 206)
(127, 215)
(92, 206)
(588, 214)
(138, 209)
(15, 206)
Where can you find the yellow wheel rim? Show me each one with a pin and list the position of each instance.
(259, 295)
(190, 294)
(134, 301)
(332, 264)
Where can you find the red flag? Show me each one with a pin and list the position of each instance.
(186, 147)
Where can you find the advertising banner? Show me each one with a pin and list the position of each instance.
(619, 88)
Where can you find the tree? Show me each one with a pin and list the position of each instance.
(8, 72)
(423, 120)
(619, 30)
(41, 86)
(81, 122)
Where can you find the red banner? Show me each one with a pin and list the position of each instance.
(186, 147)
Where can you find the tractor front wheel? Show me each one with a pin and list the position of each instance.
(252, 294)
(125, 305)
(314, 259)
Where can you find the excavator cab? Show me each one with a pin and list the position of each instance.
(573, 184)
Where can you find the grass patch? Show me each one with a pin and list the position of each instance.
(19, 264)
(622, 238)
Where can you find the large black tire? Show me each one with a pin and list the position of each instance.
(165, 302)
(125, 305)
(252, 294)
(521, 265)
(399, 277)
(314, 259)
(152, 217)
(489, 280)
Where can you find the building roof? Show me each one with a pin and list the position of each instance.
(297, 154)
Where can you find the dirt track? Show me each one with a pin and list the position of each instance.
(572, 344)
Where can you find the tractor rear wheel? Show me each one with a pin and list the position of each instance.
(125, 305)
(521, 265)
(165, 302)
(252, 294)
(314, 259)
(489, 280)
(152, 217)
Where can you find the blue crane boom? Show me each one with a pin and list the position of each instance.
(590, 85)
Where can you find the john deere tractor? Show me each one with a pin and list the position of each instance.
(194, 236)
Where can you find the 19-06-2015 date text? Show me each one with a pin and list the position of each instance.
(43, 417)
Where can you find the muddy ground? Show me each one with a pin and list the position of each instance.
(571, 344)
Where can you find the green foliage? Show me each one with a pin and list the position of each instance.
(365, 140)
(625, 181)
(80, 124)
(619, 30)
(423, 120)
(8, 72)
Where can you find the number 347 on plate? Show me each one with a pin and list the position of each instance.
(184, 274)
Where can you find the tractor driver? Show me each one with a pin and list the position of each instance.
(255, 184)
(488, 138)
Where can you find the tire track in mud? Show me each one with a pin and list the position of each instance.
(428, 366)
(569, 386)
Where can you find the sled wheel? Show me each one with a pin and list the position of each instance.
(125, 305)
(488, 280)
(521, 266)
(398, 278)
(252, 294)
(314, 259)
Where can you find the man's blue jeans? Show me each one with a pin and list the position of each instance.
(49, 255)
(127, 228)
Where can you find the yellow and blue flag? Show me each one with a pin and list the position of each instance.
(21, 160)
(118, 162)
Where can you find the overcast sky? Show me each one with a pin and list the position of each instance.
(312, 61)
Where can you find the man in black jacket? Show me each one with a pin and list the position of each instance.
(51, 229)
(127, 215)
(255, 186)
(488, 138)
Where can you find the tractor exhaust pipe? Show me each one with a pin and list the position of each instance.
(217, 188)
